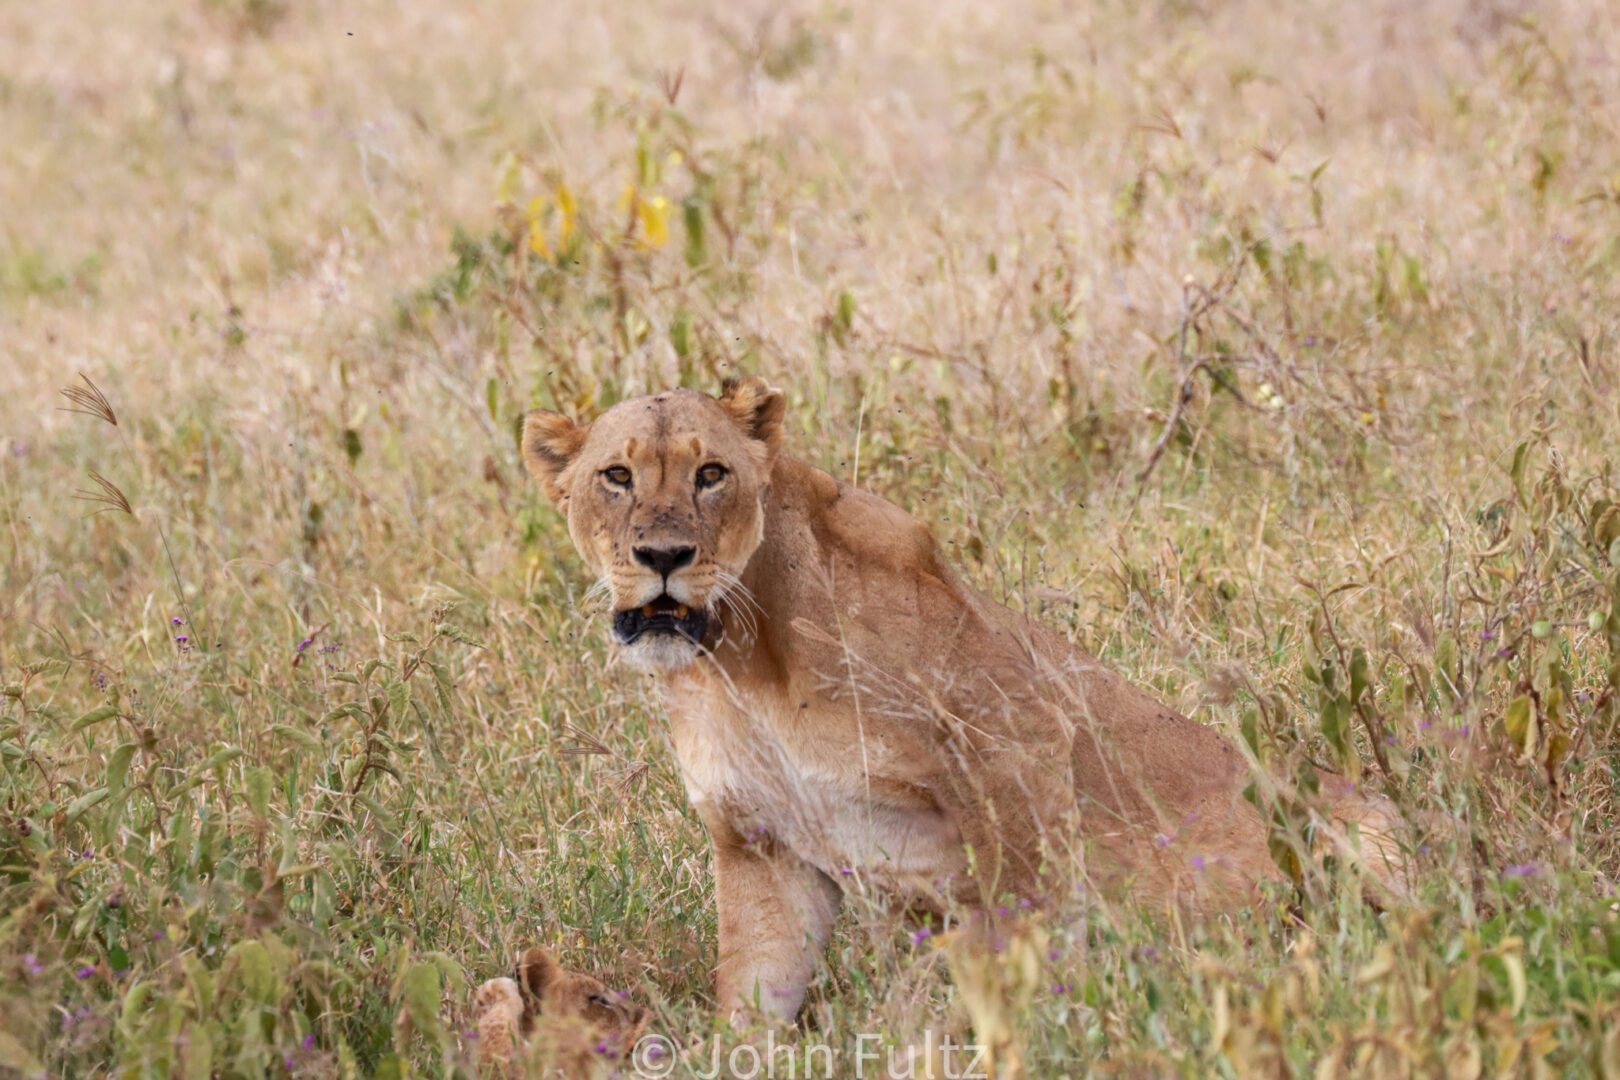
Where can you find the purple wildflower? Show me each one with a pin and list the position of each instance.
(181, 639)
(654, 1051)
(1060, 988)
(31, 962)
(1026, 903)
(85, 972)
(158, 935)
(1198, 863)
(1487, 635)
(1054, 954)
(1522, 870)
(306, 643)
(921, 935)
(177, 621)
(1310, 339)
(1161, 840)
(309, 1041)
(1002, 910)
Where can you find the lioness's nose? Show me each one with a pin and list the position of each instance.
(665, 560)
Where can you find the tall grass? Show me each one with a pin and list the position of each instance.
(1272, 356)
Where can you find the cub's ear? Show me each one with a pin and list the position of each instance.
(537, 973)
(757, 407)
(550, 443)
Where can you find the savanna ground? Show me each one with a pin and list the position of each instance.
(1271, 354)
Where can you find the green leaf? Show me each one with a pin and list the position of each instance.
(199, 1052)
(455, 633)
(84, 802)
(680, 333)
(1445, 660)
(259, 782)
(118, 766)
(1521, 458)
(218, 759)
(421, 996)
(692, 217)
(352, 708)
(134, 1002)
(95, 716)
(300, 736)
(252, 973)
(399, 699)
(843, 318)
(1359, 677)
(1519, 723)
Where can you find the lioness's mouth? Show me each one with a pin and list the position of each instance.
(664, 615)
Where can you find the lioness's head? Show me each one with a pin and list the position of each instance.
(665, 499)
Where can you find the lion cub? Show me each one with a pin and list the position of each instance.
(584, 1027)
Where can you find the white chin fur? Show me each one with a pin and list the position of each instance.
(660, 652)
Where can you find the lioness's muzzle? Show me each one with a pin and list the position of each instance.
(664, 615)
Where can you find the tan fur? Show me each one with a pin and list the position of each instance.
(585, 1028)
(864, 719)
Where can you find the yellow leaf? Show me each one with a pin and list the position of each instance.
(569, 209)
(537, 241)
(1463, 1060)
(1383, 962)
(1517, 987)
(506, 187)
(654, 216)
(1520, 724)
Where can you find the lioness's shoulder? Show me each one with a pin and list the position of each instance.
(867, 527)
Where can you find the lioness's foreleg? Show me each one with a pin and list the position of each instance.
(776, 915)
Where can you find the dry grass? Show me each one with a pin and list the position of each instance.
(1238, 343)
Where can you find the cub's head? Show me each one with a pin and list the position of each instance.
(665, 499)
(580, 1021)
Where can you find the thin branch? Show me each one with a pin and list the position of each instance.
(108, 497)
(88, 400)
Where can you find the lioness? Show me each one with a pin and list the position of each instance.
(847, 713)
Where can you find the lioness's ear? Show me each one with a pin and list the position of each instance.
(758, 407)
(550, 442)
(537, 972)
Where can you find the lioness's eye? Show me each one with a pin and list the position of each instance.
(617, 475)
(710, 475)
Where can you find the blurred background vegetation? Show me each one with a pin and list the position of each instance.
(1270, 354)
